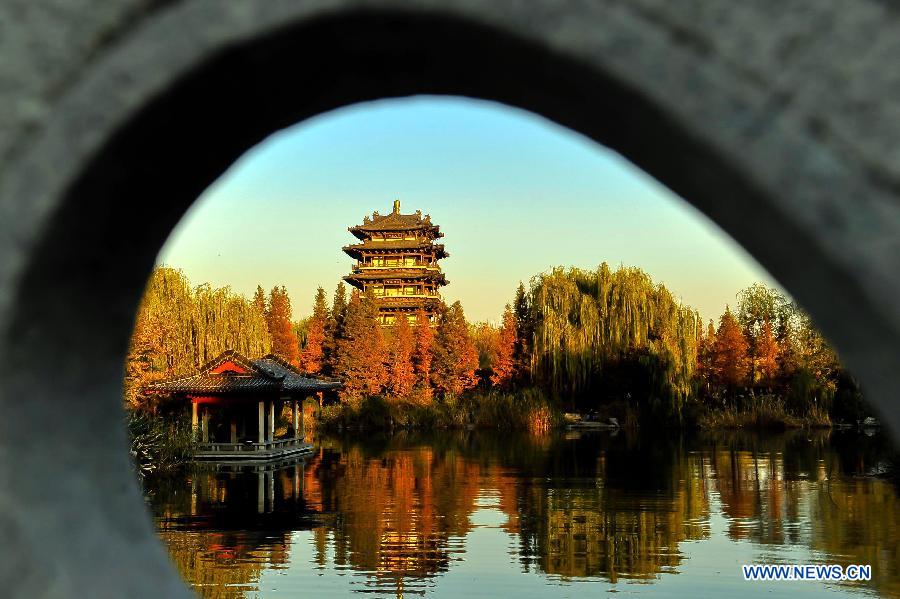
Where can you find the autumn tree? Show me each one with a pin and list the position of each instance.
(758, 304)
(766, 356)
(455, 356)
(281, 329)
(401, 375)
(313, 354)
(334, 327)
(423, 345)
(177, 329)
(504, 366)
(730, 360)
(259, 300)
(486, 338)
(360, 355)
(705, 348)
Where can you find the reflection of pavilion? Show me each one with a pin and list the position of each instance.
(235, 401)
(226, 523)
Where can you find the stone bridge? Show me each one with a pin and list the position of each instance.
(780, 120)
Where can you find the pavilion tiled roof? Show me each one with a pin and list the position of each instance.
(399, 301)
(395, 221)
(265, 375)
(406, 274)
(356, 250)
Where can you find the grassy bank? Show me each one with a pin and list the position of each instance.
(526, 410)
(765, 413)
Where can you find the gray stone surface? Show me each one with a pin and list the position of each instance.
(779, 120)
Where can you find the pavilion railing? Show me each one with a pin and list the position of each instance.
(250, 447)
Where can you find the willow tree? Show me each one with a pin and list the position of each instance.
(177, 329)
(612, 330)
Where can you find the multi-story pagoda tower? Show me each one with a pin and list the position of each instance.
(397, 260)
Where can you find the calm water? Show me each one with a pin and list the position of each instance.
(488, 515)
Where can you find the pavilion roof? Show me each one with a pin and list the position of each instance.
(400, 274)
(395, 221)
(267, 374)
(358, 249)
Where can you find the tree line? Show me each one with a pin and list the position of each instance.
(587, 339)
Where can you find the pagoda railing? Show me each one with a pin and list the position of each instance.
(425, 266)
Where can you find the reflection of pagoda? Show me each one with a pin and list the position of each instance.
(398, 261)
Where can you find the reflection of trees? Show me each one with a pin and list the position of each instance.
(798, 489)
(399, 511)
(398, 508)
(625, 518)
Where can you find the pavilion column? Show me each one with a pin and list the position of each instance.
(271, 427)
(204, 425)
(262, 422)
(296, 419)
(194, 414)
(233, 429)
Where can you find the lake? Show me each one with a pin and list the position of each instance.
(489, 514)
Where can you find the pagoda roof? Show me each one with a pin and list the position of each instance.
(395, 221)
(407, 302)
(232, 372)
(358, 249)
(410, 274)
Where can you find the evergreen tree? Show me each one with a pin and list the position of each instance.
(313, 355)
(455, 355)
(522, 357)
(360, 353)
(334, 327)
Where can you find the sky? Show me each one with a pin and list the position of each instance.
(514, 194)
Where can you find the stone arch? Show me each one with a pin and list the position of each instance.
(779, 125)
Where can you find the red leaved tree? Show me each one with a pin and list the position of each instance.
(504, 366)
(423, 344)
(730, 361)
(278, 318)
(360, 353)
(401, 376)
(455, 355)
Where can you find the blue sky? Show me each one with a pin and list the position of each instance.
(514, 194)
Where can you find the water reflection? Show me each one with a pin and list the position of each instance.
(412, 515)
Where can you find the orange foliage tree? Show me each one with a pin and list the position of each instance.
(767, 353)
(423, 345)
(504, 365)
(730, 361)
(313, 354)
(278, 318)
(401, 376)
(360, 351)
(455, 355)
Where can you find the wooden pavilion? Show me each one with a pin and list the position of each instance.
(397, 260)
(234, 403)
